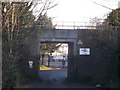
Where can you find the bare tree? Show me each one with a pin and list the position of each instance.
(40, 7)
(96, 22)
(12, 15)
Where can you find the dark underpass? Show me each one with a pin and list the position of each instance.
(55, 79)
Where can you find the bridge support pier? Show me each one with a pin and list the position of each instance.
(72, 59)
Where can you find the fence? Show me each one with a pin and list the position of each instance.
(79, 25)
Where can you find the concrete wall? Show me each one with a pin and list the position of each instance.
(57, 36)
(98, 66)
(61, 36)
(34, 56)
(57, 33)
(93, 68)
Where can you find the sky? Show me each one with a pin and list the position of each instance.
(80, 10)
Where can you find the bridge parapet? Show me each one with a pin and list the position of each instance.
(100, 24)
(57, 34)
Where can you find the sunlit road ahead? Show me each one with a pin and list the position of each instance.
(57, 64)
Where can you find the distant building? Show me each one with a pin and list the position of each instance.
(61, 52)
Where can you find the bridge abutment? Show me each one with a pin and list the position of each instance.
(90, 68)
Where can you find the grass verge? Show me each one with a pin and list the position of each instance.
(43, 67)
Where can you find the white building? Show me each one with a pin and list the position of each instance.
(61, 52)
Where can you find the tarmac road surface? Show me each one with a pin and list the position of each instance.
(55, 79)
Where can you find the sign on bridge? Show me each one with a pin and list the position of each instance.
(84, 51)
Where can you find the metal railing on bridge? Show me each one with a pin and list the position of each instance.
(73, 25)
(79, 25)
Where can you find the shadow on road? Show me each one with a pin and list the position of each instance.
(53, 75)
(55, 79)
